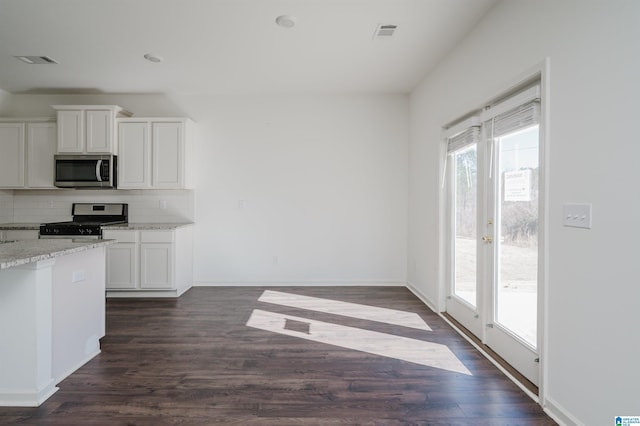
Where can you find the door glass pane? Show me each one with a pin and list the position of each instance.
(465, 205)
(517, 242)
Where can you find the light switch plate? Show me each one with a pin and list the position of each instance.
(577, 215)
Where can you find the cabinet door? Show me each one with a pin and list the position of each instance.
(41, 147)
(134, 160)
(156, 266)
(121, 266)
(11, 155)
(70, 131)
(168, 155)
(99, 128)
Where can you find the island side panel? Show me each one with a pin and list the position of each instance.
(26, 334)
(78, 310)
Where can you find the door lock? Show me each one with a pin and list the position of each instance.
(487, 239)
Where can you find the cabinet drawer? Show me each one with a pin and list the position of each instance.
(156, 236)
(120, 236)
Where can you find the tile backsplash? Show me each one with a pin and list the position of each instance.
(55, 205)
(6, 206)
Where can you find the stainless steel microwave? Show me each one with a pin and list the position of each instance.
(85, 171)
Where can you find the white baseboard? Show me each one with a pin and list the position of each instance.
(115, 294)
(559, 414)
(72, 370)
(27, 399)
(422, 297)
(299, 283)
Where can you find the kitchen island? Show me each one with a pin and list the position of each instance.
(52, 314)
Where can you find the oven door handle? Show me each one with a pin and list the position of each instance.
(98, 168)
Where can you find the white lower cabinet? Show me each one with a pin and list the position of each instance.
(156, 260)
(151, 263)
(122, 261)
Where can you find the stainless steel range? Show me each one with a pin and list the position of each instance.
(88, 220)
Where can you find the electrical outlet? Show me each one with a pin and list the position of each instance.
(162, 204)
(577, 215)
(50, 204)
(78, 276)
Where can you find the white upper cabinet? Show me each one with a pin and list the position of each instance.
(167, 147)
(154, 153)
(134, 161)
(88, 129)
(12, 155)
(70, 131)
(99, 131)
(26, 154)
(41, 147)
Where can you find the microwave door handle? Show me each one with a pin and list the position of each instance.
(98, 168)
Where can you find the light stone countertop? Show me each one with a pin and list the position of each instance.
(145, 226)
(28, 251)
(121, 227)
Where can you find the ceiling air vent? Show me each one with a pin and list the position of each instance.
(37, 59)
(384, 31)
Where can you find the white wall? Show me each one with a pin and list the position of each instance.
(592, 371)
(322, 181)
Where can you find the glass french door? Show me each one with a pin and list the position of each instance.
(512, 255)
(464, 297)
(493, 226)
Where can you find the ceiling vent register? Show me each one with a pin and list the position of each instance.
(385, 31)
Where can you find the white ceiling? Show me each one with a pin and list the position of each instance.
(227, 46)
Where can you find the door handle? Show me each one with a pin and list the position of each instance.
(487, 239)
(98, 170)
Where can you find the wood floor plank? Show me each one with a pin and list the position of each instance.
(194, 361)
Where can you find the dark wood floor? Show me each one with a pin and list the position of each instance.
(194, 361)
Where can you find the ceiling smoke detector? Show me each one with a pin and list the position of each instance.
(384, 31)
(286, 21)
(36, 59)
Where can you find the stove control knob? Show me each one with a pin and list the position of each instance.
(89, 231)
(81, 231)
(56, 231)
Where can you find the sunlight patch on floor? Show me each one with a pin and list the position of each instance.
(417, 351)
(352, 310)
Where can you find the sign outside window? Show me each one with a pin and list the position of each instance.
(517, 185)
